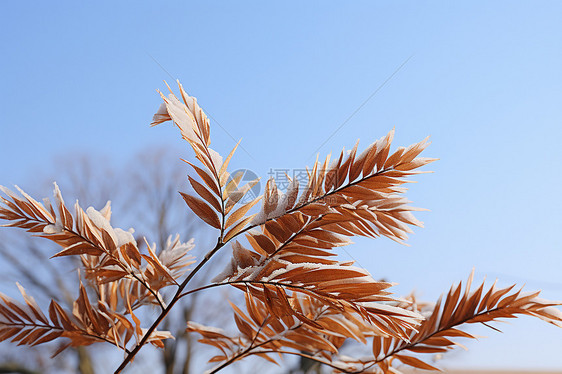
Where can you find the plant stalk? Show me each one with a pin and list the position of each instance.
(166, 310)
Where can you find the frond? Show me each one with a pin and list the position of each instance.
(355, 195)
(108, 254)
(339, 285)
(219, 192)
(316, 328)
(439, 332)
(299, 299)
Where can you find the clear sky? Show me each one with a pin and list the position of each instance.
(484, 79)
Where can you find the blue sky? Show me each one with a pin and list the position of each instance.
(483, 79)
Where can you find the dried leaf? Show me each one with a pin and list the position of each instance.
(202, 210)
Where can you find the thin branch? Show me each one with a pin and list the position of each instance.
(24, 325)
(166, 310)
(254, 282)
(248, 351)
(310, 357)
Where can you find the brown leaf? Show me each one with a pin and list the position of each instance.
(202, 210)
(227, 160)
(237, 228)
(205, 194)
(240, 212)
(415, 362)
(209, 180)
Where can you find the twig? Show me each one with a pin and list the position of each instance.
(166, 310)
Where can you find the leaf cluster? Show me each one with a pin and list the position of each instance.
(299, 298)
